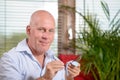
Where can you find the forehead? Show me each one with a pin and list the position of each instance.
(45, 27)
(44, 22)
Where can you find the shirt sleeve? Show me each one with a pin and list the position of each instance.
(9, 69)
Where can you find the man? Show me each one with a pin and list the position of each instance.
(31, 59)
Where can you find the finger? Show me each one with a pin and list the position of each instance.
(74, 70)
(57, 62)
(57, 69)
(74, 67)
(71, 74)
(55, 65)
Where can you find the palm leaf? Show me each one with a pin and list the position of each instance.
(106, 9)
(100, 48)
(114, 18)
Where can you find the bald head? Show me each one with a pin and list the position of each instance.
(40, 31)
(39, 16)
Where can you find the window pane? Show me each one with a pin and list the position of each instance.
(94, 7)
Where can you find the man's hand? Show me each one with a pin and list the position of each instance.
(73, 71)
(52, 68)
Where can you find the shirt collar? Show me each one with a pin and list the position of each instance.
(23, 46)
(49, 53)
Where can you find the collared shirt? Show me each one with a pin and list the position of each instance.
(20, 64)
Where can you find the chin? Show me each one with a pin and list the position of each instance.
(44, 49)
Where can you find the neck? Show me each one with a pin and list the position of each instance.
(40, 56)
(40, 59)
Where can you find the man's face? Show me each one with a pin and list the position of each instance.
(41, 35)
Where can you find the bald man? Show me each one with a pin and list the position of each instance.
(32, 59)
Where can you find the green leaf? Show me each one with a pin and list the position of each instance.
(106, 10)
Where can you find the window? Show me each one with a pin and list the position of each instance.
(94, 7)
(15, 16)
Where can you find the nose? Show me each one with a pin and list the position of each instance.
(45, 35)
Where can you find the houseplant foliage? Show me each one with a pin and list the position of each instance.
(101, 48)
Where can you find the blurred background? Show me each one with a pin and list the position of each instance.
(15, 16)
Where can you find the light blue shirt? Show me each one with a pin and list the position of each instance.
(20, 64)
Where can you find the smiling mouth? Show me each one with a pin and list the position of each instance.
(44, 43)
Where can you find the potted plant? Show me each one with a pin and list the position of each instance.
(100, 48)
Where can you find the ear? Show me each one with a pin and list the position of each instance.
(28, 30)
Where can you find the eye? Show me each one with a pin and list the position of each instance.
(41, 29)
(52, 30)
